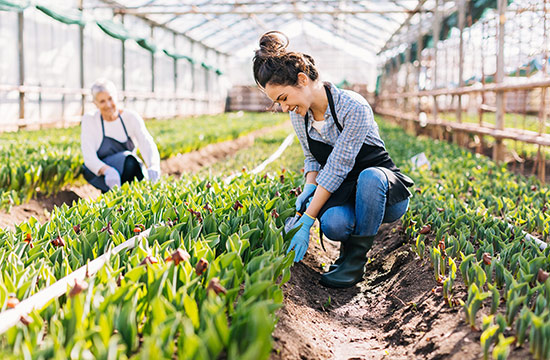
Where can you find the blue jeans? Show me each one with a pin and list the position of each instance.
(364, 216)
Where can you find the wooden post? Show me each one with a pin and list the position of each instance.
(498, 149)
(406, 89)
(479, 148)
(420, 44)
(81, 60)
(21, 52)
(461, 21)
(435, 32)
(541, 155)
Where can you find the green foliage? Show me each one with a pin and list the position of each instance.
(42, 162)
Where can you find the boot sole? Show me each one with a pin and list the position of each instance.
(335, 285)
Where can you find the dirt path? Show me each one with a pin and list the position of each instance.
(393, 314)
(176, 166)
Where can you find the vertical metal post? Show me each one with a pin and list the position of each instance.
(174, 43)
(152, 63)
(123, 64)
(81, 60)
(206, 92)
(21, 52)
(498, 149)
(193, 80)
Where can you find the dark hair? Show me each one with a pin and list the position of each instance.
(275, 65)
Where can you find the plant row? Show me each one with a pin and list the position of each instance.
(469, 217)
(291, 159)
(42, 162)
(141, 305)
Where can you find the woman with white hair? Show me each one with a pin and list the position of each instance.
(107, 142)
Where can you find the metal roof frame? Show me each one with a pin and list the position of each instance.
(374, 25)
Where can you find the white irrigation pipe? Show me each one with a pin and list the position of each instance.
(542, 245)
(286, 143)
(11, 317)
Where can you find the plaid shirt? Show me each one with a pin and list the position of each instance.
(355, 115)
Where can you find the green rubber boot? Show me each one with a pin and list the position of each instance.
(341, 257)
(351, 269)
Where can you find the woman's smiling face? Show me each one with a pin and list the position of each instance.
(106, 104)
(295, 98)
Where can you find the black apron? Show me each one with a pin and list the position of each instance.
(368, 156)
(113, 153)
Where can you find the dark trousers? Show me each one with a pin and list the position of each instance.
(131, 171)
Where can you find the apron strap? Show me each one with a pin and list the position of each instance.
(102, 126)
(123, 126)
(332, 109)
(121, 121)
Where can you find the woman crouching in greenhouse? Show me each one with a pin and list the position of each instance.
(352, 185)
(107, 142)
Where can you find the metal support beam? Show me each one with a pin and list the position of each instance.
(207, 83)
(123, 61)
(296, 12)
(227, 27)
(255, 3)
(21, 53)
(152, 63)
(417, 9)
(119, 8)
(193, 77)
(81, 60)
(356, 40)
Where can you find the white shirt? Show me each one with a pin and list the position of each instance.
(92, 136)
(318, 125)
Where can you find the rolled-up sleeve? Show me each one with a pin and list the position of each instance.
(356, 124)
(310, 164)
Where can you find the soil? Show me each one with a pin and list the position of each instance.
(210, 154)
(41, 207)
(392, 314)
(397, 312)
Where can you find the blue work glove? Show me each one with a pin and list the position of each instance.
(112, 177)
(153, 175)
(306, 194)
(300, 241)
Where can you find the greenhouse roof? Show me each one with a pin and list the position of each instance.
(229, 26)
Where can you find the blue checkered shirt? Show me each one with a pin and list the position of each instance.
(355, 115)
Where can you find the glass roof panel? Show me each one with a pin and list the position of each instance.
(231, 25)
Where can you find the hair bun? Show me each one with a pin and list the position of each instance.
(273, 42)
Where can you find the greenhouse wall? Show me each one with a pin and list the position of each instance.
(148, 80)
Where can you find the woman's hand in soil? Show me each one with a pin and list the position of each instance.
(300, 241)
